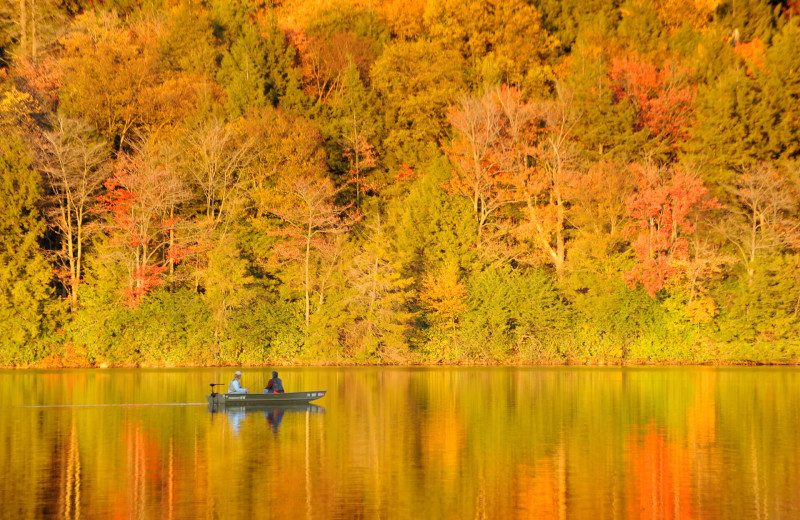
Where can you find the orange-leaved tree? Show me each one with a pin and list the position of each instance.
(547, 166)
(284, 145)
(511, 151)
(324, 61)
(482, 151)
(108, 71)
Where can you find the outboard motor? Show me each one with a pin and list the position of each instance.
(214, 394)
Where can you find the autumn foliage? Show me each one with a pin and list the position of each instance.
(483, 151)
(394, 181)
(140, 202)
(661, 98)
(664, 210)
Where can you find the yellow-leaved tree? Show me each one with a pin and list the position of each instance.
(443, 296)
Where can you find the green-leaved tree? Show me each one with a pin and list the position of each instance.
(25, 293)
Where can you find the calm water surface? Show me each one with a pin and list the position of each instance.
(405, 443)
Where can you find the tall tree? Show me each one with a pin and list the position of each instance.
(325, 61)
(598, 213)
(663, 211)
(29, 28)
(782, 90)
(355, 129)
(72, 160)
(483, 150)
(631, 106)
(764, 218)
(444, 297)
(306, 205)
(284, 146)
(25, 305)
(108, 70)
(380, 296)
(258, 67)
(549, 166)
(403, 17)
(500, 40)
(141, 198)
(662, 101)
(750, 114)
(243, 72)
(729, 131)
(696, 13)
(188, 42)
(567, 20)
(227, 282)
(428, 226)
(217, 156)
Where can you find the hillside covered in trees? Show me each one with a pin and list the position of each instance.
(399, 181)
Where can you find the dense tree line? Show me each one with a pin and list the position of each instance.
(394, 181)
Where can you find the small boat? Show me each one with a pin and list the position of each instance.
(288, 398)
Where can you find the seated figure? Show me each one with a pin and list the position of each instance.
(235, 387)
(275, 385)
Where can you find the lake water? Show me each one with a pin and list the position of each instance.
(405, 443)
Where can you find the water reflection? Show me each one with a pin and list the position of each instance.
(274, 418)
(660, 477)
(401, 443)
(273, 414)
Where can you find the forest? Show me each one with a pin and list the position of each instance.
(251, 182)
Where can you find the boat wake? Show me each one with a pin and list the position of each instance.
(106, 405)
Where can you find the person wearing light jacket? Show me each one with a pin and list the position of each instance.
(235, 387)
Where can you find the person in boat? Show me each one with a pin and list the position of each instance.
(235, 387)
(274, 385)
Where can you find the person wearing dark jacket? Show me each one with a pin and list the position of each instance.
(275, 385)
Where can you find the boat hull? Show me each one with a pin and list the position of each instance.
(289, 398)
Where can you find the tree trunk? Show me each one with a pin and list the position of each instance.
(23, 26)
(753, 239)
(559, 256)
(307, 280)
(558, 176)
(136, 269)
(374, 290)
(33, 29)
(73, 268)
(78, 256)
(171, 245)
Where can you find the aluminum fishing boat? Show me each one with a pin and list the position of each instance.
(289, 398)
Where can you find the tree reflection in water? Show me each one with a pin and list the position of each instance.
(697, 442)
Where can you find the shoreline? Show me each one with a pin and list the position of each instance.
(453, 364)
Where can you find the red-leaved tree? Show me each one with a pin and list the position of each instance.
(662, 99)
(663, 211)
(140, 203)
